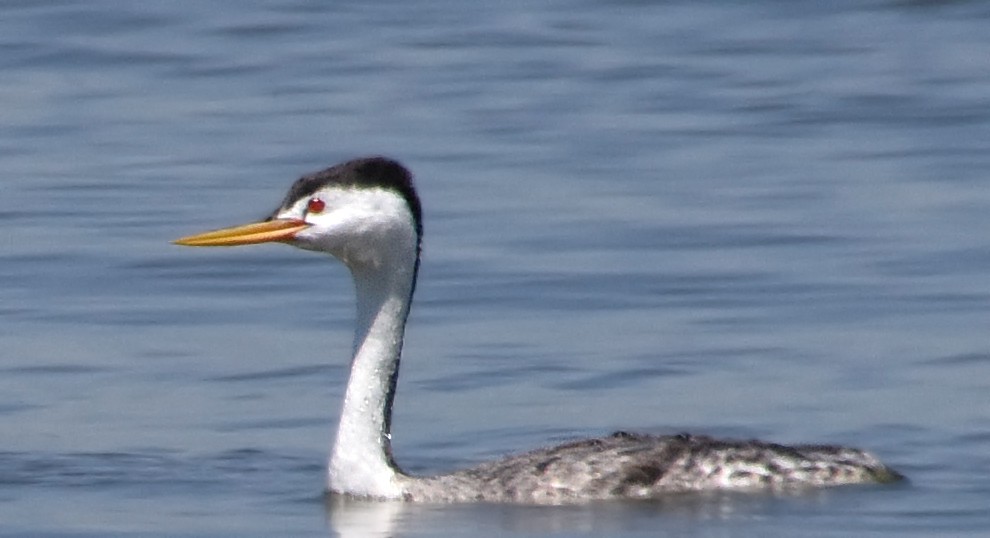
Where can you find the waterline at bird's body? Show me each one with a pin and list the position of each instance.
(367, 214)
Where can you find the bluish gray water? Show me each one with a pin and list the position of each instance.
(757, 219)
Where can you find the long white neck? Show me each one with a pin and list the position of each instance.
(361, 460)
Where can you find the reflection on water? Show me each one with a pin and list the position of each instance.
(715, 512)
(353, 517)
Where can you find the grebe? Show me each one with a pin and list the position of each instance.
(367, 214)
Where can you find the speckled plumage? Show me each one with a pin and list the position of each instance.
(634, 466)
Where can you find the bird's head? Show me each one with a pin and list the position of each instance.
(365, 212)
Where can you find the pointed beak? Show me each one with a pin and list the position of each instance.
(247, 234)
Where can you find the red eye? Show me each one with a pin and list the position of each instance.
(315, 205)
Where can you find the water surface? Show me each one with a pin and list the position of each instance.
(750, 220)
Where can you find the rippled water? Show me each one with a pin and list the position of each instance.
(755, 220)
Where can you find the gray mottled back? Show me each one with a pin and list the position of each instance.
(631, 466)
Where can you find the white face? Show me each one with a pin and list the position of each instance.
(364, 228)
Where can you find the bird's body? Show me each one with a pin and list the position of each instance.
(633, 466)
(367, 214)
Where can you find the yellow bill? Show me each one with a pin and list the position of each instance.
(247, 234)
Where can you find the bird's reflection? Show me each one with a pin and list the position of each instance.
(349, 517)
